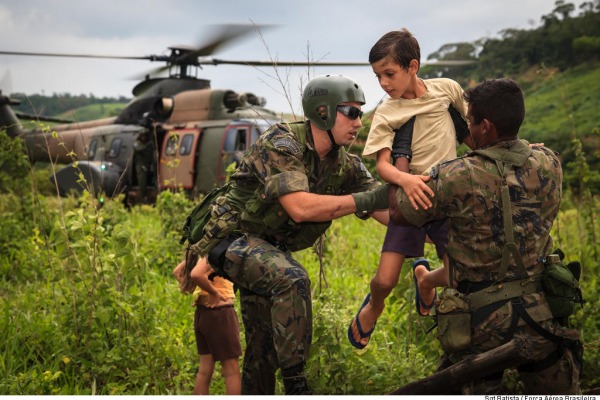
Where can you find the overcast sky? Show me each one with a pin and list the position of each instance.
(331, 30)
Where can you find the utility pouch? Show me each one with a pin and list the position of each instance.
(223, 221)
(561, 287)
(454, 321)
(193, 228)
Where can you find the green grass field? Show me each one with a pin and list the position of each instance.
(89, 305)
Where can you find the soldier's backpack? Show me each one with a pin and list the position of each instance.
(193, 228)
(559, 281)
(192, 232)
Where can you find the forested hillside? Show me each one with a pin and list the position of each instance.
(557, 66)
(64, 104)
(566, 37)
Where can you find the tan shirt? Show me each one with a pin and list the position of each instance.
(222, 285)
(434, 137)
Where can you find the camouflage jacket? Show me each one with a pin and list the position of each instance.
(281, 161)
(468, 192)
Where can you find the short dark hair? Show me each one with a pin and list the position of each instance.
(400, 45)
(501, 102)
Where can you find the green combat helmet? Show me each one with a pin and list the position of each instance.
(324, 93)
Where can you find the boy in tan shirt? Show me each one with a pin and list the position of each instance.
(415, 130)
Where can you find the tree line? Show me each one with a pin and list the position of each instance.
(563, 40)
(57, 104)
(559, 57)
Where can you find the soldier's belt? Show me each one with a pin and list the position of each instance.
(504, 291)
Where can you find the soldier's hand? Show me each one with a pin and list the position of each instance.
(367, 202)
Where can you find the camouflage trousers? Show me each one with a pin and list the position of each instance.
(554, 368)
(276, 310)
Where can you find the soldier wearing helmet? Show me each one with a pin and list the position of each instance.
(295, 179)
(327, 95)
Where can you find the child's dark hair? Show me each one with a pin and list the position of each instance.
(400, 45)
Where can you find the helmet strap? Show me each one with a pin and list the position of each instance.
(334, 145)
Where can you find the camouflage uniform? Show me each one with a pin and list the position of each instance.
(143, 160)
(274, 288)
(468, 192)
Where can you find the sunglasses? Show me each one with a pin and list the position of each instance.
(350, 111)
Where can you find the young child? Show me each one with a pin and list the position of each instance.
(414, 127)
(216, 327)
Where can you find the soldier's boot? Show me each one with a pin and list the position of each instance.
(295, 382)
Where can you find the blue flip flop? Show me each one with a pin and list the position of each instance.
(362, 334)
(418, 301)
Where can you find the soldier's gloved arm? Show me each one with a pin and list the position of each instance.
(367, 202)
(401, 146)
(460, 125)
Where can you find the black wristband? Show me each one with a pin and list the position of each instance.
(401, 146)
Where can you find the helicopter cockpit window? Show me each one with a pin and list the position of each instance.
(186, 144)
(171, 147)
(235, 140)
(92, 149)
(115, 148)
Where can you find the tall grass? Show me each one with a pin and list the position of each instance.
(88, 304)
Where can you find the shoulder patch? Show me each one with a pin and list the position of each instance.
(287, 144)
(365, 171)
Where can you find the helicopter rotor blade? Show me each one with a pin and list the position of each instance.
(23, 53)
(182, 56)
(448, 63)
(276, 63)
(207, 49)
(222, 35)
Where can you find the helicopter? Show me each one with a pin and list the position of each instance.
(196, 131)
